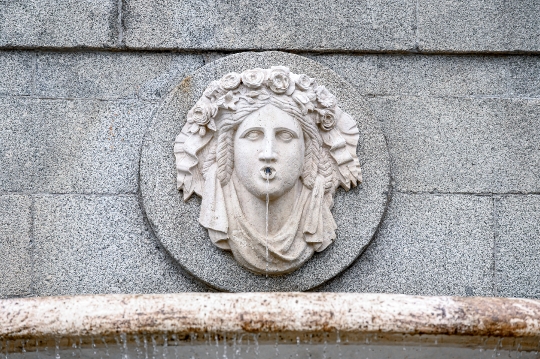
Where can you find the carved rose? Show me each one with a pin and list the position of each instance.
(230, 81)
(304, 82)
(253, 78)
(324, 97)
(213, 89)
(279, 80)
(200, 115)
(328, 121)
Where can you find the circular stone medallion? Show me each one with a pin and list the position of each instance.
(357, 212)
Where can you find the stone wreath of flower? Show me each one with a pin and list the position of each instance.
(206, 137)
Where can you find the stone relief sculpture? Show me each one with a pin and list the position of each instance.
(266, 150)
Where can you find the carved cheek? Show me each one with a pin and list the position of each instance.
(294, 155)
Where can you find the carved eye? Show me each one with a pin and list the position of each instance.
(253, 135)
(285, 136)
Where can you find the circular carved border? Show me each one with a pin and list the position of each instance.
(357, 212)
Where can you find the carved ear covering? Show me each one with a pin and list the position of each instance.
(234, 93)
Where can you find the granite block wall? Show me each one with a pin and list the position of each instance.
(455, 85)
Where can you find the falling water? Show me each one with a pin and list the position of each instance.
(253, 345)
(267, 171)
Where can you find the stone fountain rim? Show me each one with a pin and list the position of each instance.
(347, 313)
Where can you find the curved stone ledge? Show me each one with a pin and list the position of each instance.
(354, 314)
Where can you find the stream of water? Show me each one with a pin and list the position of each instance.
(267, 205)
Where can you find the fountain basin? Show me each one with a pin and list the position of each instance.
(307, 325)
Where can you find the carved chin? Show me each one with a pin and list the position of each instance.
(275, 188)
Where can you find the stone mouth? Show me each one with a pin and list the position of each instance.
(268, 172)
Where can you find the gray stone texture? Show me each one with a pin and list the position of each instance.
(453, 144)
(421, 75)
(16, 73)
(517, 246)
(478, 25)
(524, 76)
(100, 244)
(107, 75)
(427, 245)
(15, 245)
(73, 122)
(276, 24)
(71, 146)
(368, 25)
(59, 23)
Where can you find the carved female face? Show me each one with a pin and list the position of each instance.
(268, 144)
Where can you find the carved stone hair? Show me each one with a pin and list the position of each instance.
(330, 135)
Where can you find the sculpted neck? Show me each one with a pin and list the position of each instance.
(254, 208)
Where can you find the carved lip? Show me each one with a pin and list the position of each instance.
(268, 172)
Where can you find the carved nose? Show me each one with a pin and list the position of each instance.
(268, 154)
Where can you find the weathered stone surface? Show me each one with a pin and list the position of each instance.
(384, 318)
(478, 25)
(111, 75)
(64, 23)
(15, 253)
(427, 245)
(462, 144)
(316, 25)
(16, 72)
(70, 146)
(175, 222)
(100, 244)
(517, 265)
(421, 75)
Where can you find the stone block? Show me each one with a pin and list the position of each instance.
(15, 251)
(276, 24)
(421, 75)
(59, 23)
(462, 144)
(16, 73)
(524, 76)
(111, 75)
(517, 263)
(100, 244)
(67, 146)
(427, 245)
(516, 154)
(478, 26)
